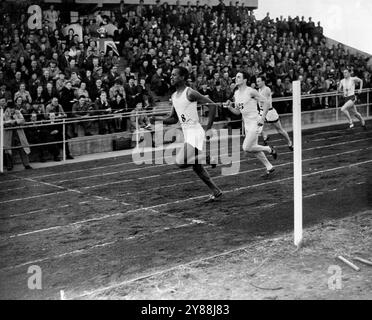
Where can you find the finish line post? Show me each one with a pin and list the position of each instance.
(297, 162)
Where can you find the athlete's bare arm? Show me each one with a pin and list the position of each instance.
(229, 105)
(194, 95)
(265, 104)
(340, 86)
(171, 119)
(360, 81)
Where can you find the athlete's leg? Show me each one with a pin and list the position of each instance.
(182, 157)
(279, 128)
(264, 134)
(250, 145)
(204, 176)
(345, 110)
(357, 115)
(189, 156)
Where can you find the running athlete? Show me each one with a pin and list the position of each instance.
(184, 110)
(245, 103)
(272, 115)
(348, 86)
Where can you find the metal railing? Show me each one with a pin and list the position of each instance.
(65, 122)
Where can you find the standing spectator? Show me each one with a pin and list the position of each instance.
(67, 98)
(53, 113)
(82, 109)
(37, 134)
(14, 137)
(219, 95)
(51, 18)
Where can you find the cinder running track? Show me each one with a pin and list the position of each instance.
(100, 224)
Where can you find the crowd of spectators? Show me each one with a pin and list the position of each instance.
(44, 70)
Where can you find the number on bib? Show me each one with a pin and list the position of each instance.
(183, 118)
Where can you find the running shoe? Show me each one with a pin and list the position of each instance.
(214, 197)
(268, 174)
(273, 153)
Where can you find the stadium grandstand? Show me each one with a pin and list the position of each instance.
(128, 49)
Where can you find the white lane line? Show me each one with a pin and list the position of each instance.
(35, 197)
(151, 166)
(199, 197)
(131, 162)
(335, 137)
(69, 190)
(160, 272)
(218, 177)
(82, 251)
(261, 184)
(36, 211)
(241, 160)
(193, 221)
(121, 181)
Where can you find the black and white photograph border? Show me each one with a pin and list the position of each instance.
(185, 150)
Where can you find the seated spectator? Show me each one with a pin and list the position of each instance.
(49, 92)
(21, 106)
(54, 70)
(102, 107)
(119, 105)
(13, 118)
(145, 93)
(143, 120)
(158, 84)
(131, 93)
(24, 94)
(4, 93)
(116, 89)
(60, 82)
(82, 91)
(75, 80)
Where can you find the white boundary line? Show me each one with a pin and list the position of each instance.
(132, 162)
(161, 272)
(191, 198)
(142, 178)
(162, 165)
(81, 251)
(179, 171)
(122, 181)
(195, 221)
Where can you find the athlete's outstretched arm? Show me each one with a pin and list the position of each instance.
(265, 104)
(194, 95)
(229, 106)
